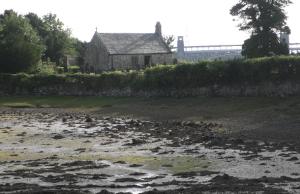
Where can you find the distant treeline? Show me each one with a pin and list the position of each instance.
(165, 77)
(28, 40)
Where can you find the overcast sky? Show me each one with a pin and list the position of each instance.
(201, 22)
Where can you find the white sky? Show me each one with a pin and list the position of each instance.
(201, 22)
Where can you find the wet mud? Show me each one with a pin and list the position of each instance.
(58, 152)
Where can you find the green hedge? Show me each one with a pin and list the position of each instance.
(232, 72)
(205, 73)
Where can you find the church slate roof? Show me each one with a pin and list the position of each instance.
(133, 43)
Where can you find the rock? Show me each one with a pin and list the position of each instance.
(135, 165)
(80, 150)
(238, 141)
(155, 150)
(137, 141)
(167, 165)
(293, 159)
(122, 180)
(295, 174)
(137, 174)
(195, 173)
(105, 192)
(58, 136)
(120, 162)
(88, 119)
(223, 178)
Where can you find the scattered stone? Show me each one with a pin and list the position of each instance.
(105, 192)
(194, 174)
(155, 150)
(58, 136)
(223, 178)
(121, 180)
(238, 141)
(295, 174)
(166, 152)
(191, 151)
(100, 176)
(21, 134)
(138, 141)
(167, 165)
(137, 174)
(135, 165)
(88, 119)
(284, 155)
(81, 150)
(293, 159)
(120, 162)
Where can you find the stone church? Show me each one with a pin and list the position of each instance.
(125, 51)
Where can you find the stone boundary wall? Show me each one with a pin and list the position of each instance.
(266, 89)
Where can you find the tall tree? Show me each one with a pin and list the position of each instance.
(80, 49)
(20, 46)
(56, 38)
(37, 23)
(265, 19)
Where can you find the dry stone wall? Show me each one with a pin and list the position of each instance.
(266, 89)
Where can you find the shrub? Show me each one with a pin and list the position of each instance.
(166, 77)
(73, 69)
(44, 68)
(20, 47)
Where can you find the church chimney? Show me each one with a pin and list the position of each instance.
(158, 29)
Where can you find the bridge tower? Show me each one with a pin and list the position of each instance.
(285, 39)
(180, 47)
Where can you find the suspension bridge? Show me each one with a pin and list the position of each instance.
(212, 52)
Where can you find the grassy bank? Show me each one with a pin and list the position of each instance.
(61, 102)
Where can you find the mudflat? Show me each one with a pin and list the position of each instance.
(151, 146)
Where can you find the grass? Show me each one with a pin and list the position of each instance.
(18, 105)
(60, 102)
(205, 107)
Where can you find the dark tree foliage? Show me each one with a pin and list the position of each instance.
(20, 46)
(80, 49)
(57, 40)
(37, 24)
(265, 19)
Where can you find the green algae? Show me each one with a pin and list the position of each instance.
(174, 164)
